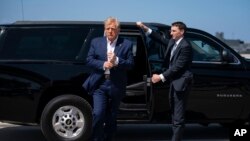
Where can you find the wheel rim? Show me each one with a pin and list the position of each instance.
(68, 122)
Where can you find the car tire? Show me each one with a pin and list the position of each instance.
(67, 118)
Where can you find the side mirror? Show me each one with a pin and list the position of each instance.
(226, 56)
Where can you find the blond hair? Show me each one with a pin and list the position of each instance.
(112, 20)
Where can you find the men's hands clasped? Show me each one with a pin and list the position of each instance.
(110, 63)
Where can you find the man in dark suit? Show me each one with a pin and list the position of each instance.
(110, 57)
(178, 58)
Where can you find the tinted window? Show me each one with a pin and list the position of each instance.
(203, 51)
(206, 50)
(43, 43)
(155, 52)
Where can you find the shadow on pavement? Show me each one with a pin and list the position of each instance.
(128, 132)
(21, 133)
(157, 132)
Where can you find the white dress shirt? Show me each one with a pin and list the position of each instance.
(111, 48)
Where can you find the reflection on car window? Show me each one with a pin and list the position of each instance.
(203, 51)
(207, 51)
(46, 43)
(155, 51)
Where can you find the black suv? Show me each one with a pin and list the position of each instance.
(42, 68)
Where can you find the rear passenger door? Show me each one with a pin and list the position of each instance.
(219, 86)
(158, 93)
(218, 89)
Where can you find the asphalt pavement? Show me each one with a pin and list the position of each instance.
(126, 132)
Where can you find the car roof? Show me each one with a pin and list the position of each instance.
(124, 25)
(82, 23)
(99, 24)
(72, 23)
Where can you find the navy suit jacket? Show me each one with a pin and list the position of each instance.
(96, 57)
(178, 71)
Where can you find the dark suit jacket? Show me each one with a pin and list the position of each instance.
(178, 72)
(97, 55)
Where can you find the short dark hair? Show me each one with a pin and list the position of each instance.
(180, 25)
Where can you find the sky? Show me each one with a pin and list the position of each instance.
(229, 16)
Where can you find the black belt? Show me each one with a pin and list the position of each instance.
(107, 76)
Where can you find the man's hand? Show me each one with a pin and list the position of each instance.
(111, 57)
(156, 78)
(108, 65)
(142, 26)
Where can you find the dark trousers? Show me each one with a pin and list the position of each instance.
(106, 104)
(178, 102)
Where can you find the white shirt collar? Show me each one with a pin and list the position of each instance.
(113, 43)
(178, 41)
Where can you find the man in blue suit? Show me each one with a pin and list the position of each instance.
(178, 58)
(110, 57)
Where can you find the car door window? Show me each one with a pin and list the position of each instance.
(203, 51)
(155, 53)
(206, 51)
(43, 43)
